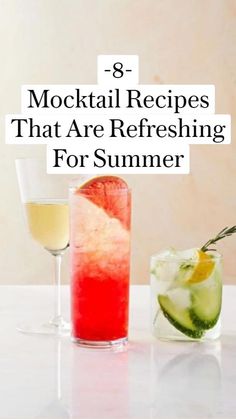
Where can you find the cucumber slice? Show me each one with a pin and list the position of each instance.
(179, 317)
(206, 303)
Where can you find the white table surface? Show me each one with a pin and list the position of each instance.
(49, 378)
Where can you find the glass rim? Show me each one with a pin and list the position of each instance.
(29, 158)
(216, 256)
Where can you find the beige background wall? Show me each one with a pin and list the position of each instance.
(185, 41)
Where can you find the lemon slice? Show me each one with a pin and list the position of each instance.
(202, 268)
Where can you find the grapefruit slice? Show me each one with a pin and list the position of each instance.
(111, 194)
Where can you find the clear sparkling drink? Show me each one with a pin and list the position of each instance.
(186, 292)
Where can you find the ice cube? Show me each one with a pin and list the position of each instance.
(180, 297)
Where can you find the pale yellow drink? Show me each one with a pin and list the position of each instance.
(49, 223)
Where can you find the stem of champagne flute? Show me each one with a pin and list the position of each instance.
(58, 322)
(58, 259)
(57, 277)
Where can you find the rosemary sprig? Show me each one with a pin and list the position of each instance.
(221, 235)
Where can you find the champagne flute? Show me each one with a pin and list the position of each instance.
(45, 200)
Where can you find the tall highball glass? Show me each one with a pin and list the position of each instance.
(100, 267)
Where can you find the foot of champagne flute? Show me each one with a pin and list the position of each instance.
(60, 324)
(56, 326)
